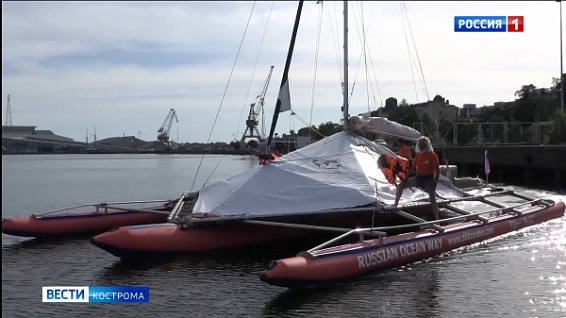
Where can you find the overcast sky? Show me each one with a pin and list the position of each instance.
(120, 66)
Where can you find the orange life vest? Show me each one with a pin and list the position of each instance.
(268, 157)
(393, 167)
(404, 152)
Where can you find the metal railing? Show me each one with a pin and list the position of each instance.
(468, 134)
(381, 232)
(105, 206)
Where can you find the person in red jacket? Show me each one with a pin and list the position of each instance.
(427, 168)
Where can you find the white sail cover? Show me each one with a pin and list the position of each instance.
(334, 173)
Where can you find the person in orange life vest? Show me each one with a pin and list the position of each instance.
(264, 158)
(427, 167)
(404, 151)
(268, 157)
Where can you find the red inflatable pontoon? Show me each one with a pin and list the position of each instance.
(170, 238)
(64, 223)
(341, 263)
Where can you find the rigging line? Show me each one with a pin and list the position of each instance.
(336, 42)
(417, 60)
(416, 51)
(363, 53)
(255, 67)
(365, 50)
(305, 123)
(359, 59)
(213, 170)
(316, 63)
(371, 60)
(376, 81)
(338, 45)
(218, 164)
(224, 94)
(373, 66)
(408, 51)
(412, 61)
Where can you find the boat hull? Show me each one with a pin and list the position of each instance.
(169, 238)
(166, 239)
(81, 223)
(345, 262)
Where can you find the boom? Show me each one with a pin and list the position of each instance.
(382, 126)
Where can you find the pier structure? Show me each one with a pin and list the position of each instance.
(528, 163)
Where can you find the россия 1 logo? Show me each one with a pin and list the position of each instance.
(489, 23)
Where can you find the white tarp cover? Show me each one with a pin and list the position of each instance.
(334, 173)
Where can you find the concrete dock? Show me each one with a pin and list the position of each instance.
(528, 163)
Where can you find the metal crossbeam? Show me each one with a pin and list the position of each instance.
(101, 205)
(417, 219)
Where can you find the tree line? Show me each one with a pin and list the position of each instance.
(532, 105)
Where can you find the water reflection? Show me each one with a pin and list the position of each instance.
(498, 277)
(40, 244)
(247, 261)
(413, 292)
(291, 301)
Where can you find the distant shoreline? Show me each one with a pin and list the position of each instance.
(186, 152)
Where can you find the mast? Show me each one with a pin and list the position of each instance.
(345, 85)
(284, 95)
(561, 69)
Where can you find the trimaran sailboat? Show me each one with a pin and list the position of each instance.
(331, 185)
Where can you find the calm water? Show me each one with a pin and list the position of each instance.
(522, 274)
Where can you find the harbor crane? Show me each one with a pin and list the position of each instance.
(256, 109)
(8, 113)
(165, 130)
